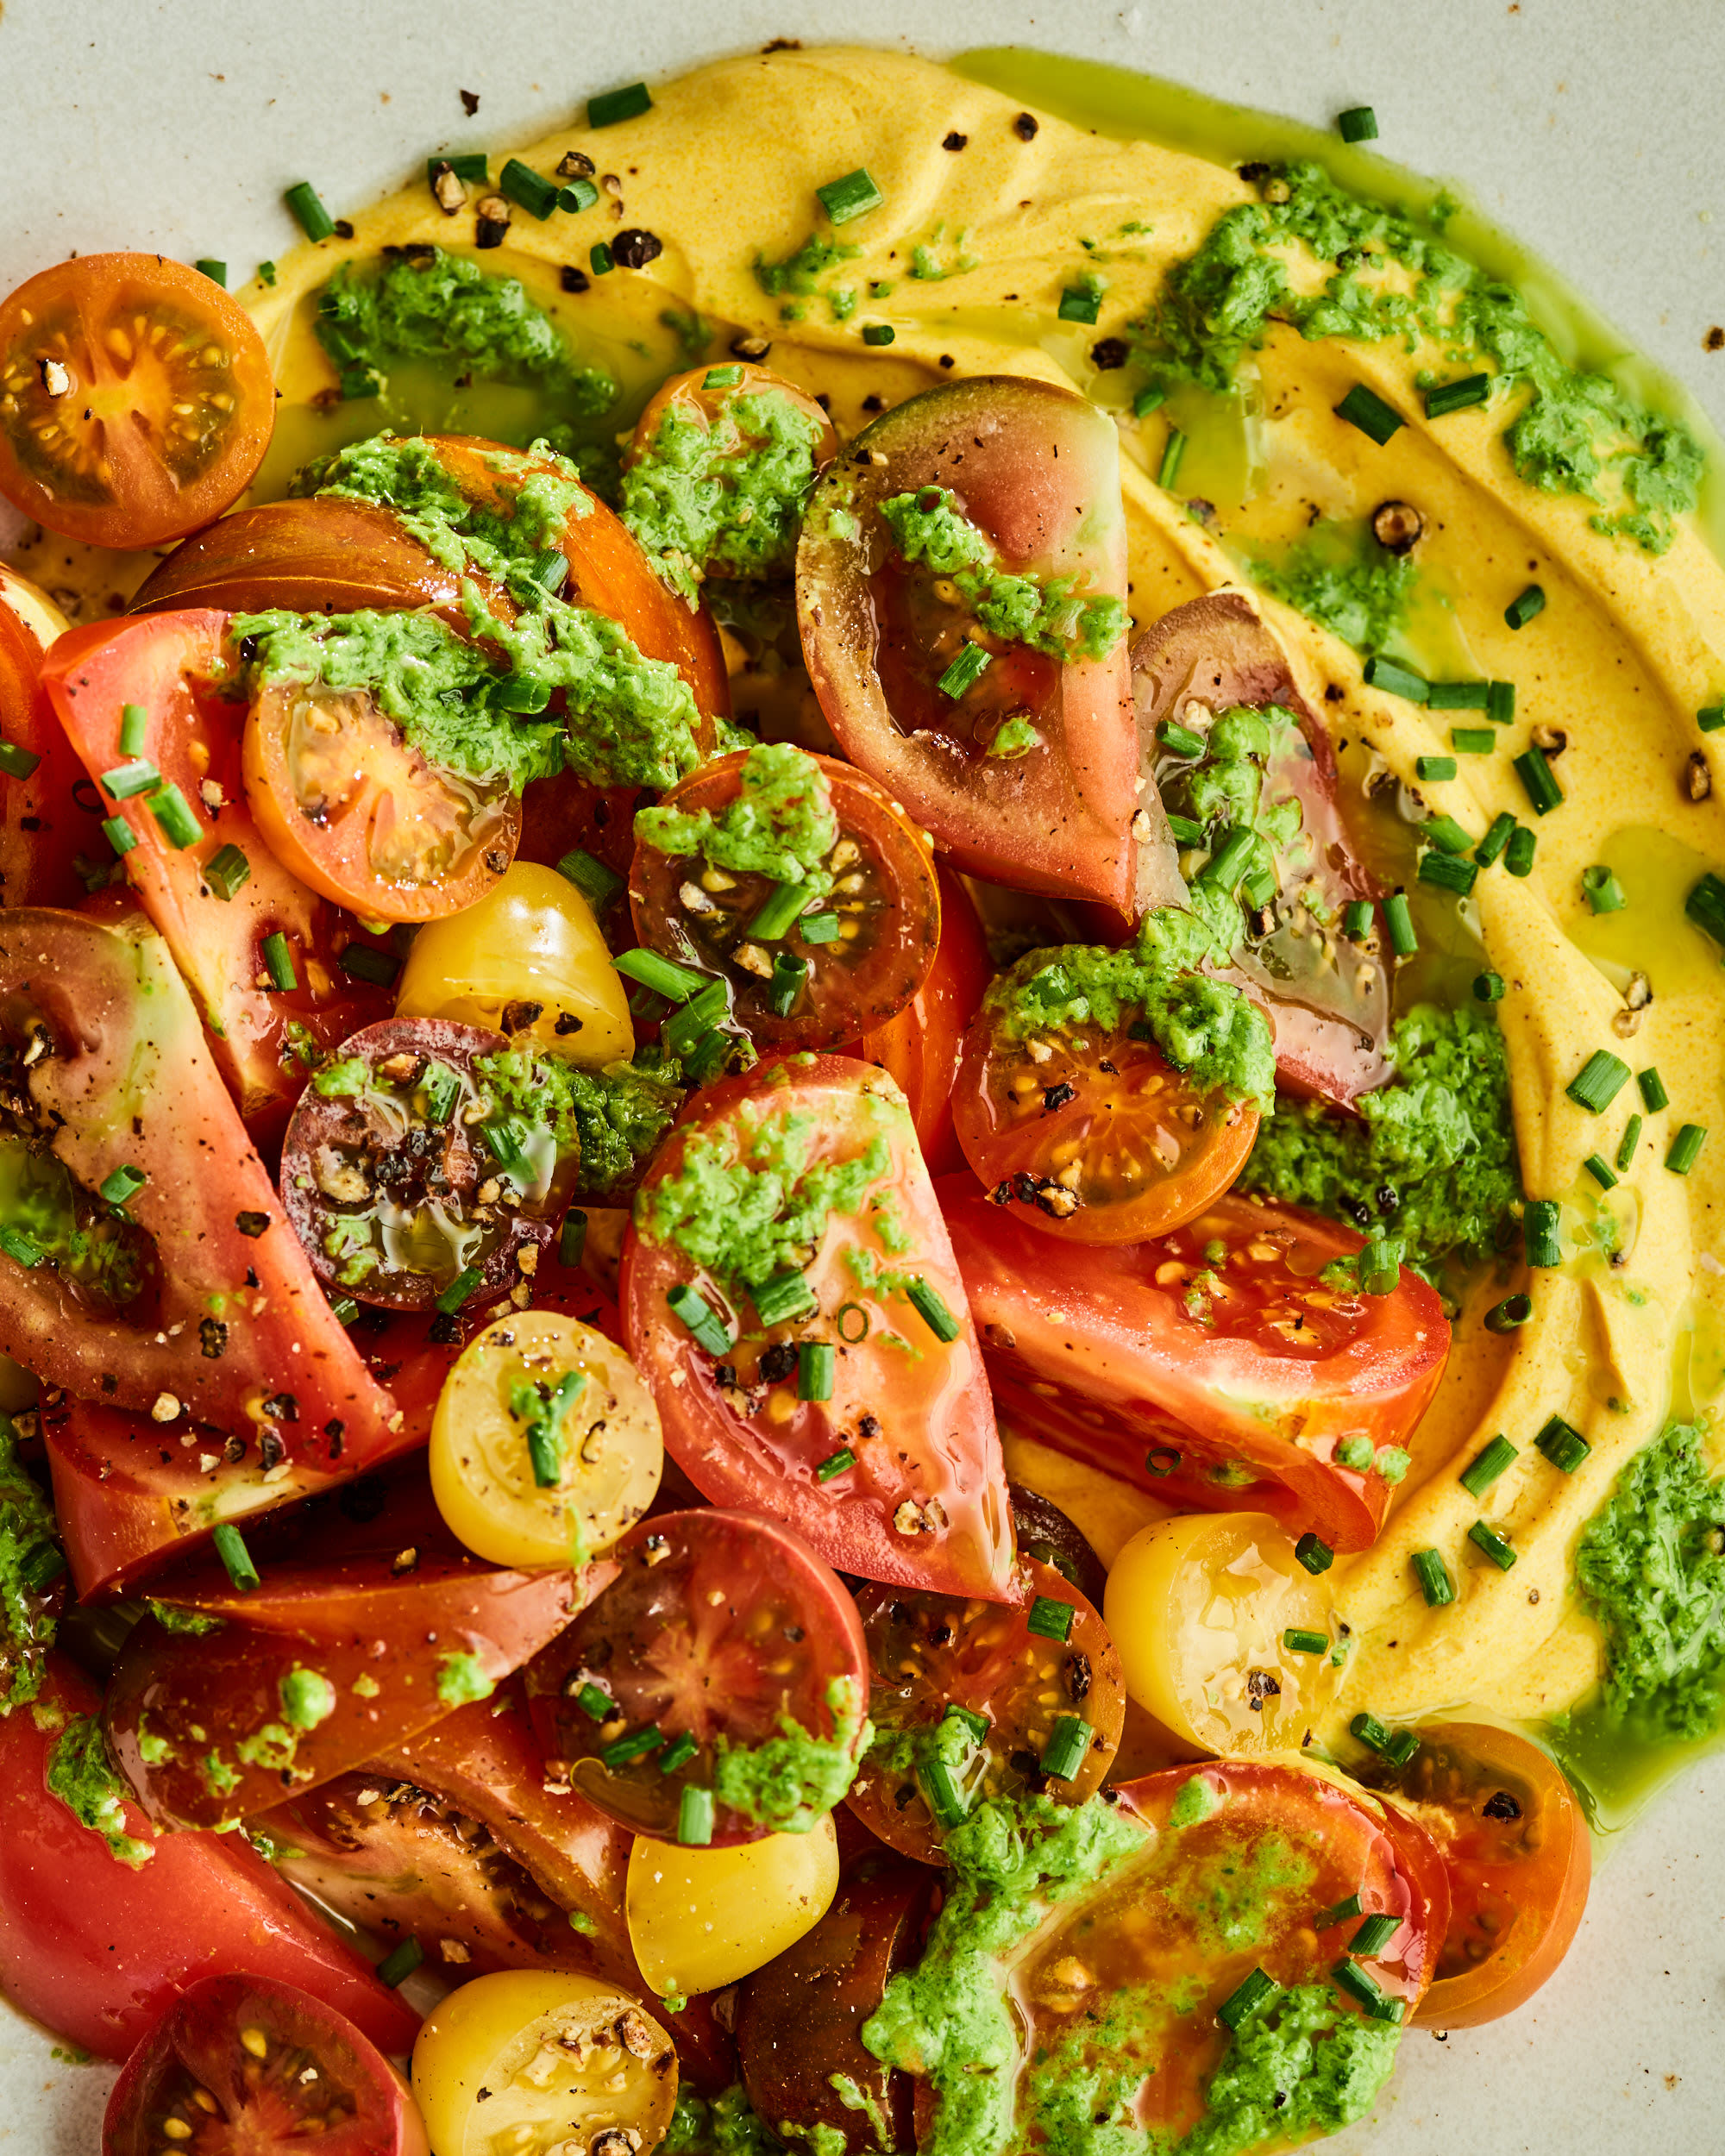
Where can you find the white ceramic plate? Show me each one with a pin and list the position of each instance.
(1588, 128)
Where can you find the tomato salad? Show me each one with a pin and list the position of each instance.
(536, 1217)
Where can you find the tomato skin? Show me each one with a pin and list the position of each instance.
(97, 1951)
(42, 825)
(1088, 1349)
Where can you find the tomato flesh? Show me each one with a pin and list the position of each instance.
(49, 819)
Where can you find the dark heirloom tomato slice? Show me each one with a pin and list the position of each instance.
(967, 1698)
(1037, 470)
(894, 1470)
(96, 1950)
(312, 1671)
(262, 1034)
(400, 1173)
(188, 1297)
(1046, 1534)
(46, 821)
(1221, 1382)
(1096, 1134)
(880, 917)
(236, 2065)
(1328, 998)
(1512, 1837)
(136, 399)
(720, 1678)
(922, 1045)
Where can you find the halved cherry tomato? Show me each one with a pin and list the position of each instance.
(50, 817)
(1096, 1134)
(569, 814)
(692, 1688)
(1214, 1366)
(136, 399)
(878, 920)
(1513, 1840)
(266, 1025)
(895, 1473)
(1328, 997)
(97, 1950)
(967, 1699)
(237, 2063)
(1037, 469)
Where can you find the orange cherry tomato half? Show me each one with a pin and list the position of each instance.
(1096, 1135)
(136, 399)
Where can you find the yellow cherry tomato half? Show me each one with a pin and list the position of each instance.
(699, 1918)
(527, 959)
(540, 2062)
(1223, 1635)
(545, 1444)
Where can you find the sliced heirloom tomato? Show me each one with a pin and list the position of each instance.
(1214, 1366)
(973, 1700)
(136, 399)
(182, 1292)
(96, 1950)
(236, 2063)
(1328, 997)
(219, 897)
(860, 1415)
(50, 817)
(312, 1669)
(860, 943)
(717, 1689)
(1029, 775)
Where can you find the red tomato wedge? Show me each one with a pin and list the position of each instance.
(262, 1033)
(1222, 1385)
(1036, 469)
(199, 1303)
(1328, 998)
(236, 2065)
(49, 816)
(896, 1472)
(96, 1950)
(136, 399)
(312, 1671)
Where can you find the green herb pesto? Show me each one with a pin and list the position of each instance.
(461, 1679)
(307, 1698)
(611, 1120)
(1048, 614)
(630, 720)
(1390, 276)
(782, 823)
(187, 1621)
(1231, 791)
(1359, 593)
(728, 2125)
(434, 684)
(726, 499)
(937, 258)
(1651, 1566)
(1440, 1134)
(28, 1538)
(1299, 2064)
(791, 1782)
(84, 1779)
(800, 272)
(421, 304)
(85, 1241)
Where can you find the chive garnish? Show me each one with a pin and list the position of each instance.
(459, 1290)
(1518, 855)
(1599, 1081)
(135, 722)
(127, 779)
(572, 1238)
(1539, 1231)
(613, 105)
(266, 272)
(1444, 832)
(1178, 740)
(943, 1794)
(466, 165)
(1398, 924)
(1603, 891)
(1705, 907)
(722, 377)
(1380, 1269)
(597, 884)
(1184, 830)
(699, 1319)
(1492, 1544)
(1315, 1556)
(1397, 1745)
(42, 1566)
(364, 962)
(1540, 785)
(1357, 920)
(819, 928)
(1601, 1172)
(119, 834)
(278, 961)
(662, 976)
(783, 1298)
(503, 1142)
(1710, 718)
(1483, 1469)
(1350, 1905)
(930, 1308)
(1050, 1620)
(1174, 450)
(967, 668)
(1433, 1575)
(236, 1561)
(1459, 696)
(1357, 124)
(216, 271)
(1487, 987)
(600, 260)
(839, 1463)
(577, 195)
(679, 1753)
(684, 1028)
(19, 1248)
(878, 333)
(1365, 409)
(1473, 740)
(1063, 1754)
(1295, 1641)
(1396, 679)
(1507, 1316)
(314, 220)
(1686, 1148)
(226, 871)
(399, 1964)
(1654, 1094)
(1375, 1934)
(123, 1183)
(176, 816)
(531, 191)
(853, 196)
(1079, 302)
(815, 1371)
(595, 1704)
(1162, 1460)
(1562, 1443)
(1496, 839)
(1524, 606)
(635, 1746)
(16, 763)
(789, 972)
(1443, 398)
(1246, 1999)
(1632, 1138)
(1150, 398)
(1436, 768)
(344, 1310)
(977, 1727)
(1500, 703)
(1447, 873)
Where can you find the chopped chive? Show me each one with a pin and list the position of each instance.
(125, 779)
(466, 165)
(699, 1319)
(1184, 832)
(600, 261)
(977, 1727)
(1397, 1745)
(503, 1142)
(1433, 1575)
(930, 1308)
(1524, 606)
(635, 1746)
(1492, 1544)
(1459, 696)
(42, 1567)
(123, 1183)
(525, 694)
(1535, 775)
(853, 196)
(789, 972)
(1601, 1171)
(1380, 1269)
(878, 333)
(1599, 1081)
(1509, 1315)
(1297, 1642)
(597, 884)
(1174, 450)
(839, 1463)
(662, 976)
(941, 1794)
(545, 1432)
(1518, 855)
(1068, 1742)
(784, 1297)
(1357, 920)
(1357, 124)
(1351, 1905)
(1079, 302)
(1315, 1556)
(1365, 409)
(1705, 907)
(19, 1248)
(965, 671)
(678, 1752)
(1473, 740)
(364, 962)
(1487, 987)
(1686, 1148)
(1710, 718)
(119, 834)
(344, 1310)
(227, 872)
(613, 105)
(1150, 398)
(1604, 893)
(135, 724)
(1396, 680)
(314, 221)
(1389, 2010)
(1246, 1999)
(550, 571)
(1632, 1138)
(815, 1371)
(1483, 1469)
(1259, 888)
(598, 1706)
(1562, 1443)
(1444, 832)
(216, 271)
(1399, 924)
(399, 1964)
(572, 1238)
(1500, 703)
(722, 377)
(1447, 873)
(1539, 1231)
(577, 195)
(278, 961)
(1444, 397)
(1050, 1620)
(459, 1290)
(686, 1027)
(1360, 1984)
(531, 191)
(1234, 848)
(1178, 740)
(819, 928)
(176, 816)
(1654, 1094)
(266, 272)
(236, 1561)
(1375, 1934)
(1439, 767)
(16, 763)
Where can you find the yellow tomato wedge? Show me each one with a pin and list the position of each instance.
(702, 1918)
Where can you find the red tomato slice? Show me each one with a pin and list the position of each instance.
(1328, 998)
(312, 1671)
(1037, 469)
(567, 814)
(684, 1689)
(920, 1500)
(883, 911)
(1231, 1396)
(921, 1047)
(136, 399)
(262, 1035)
(224, 1322)
(95, 1950)
(51, 817)
(236, 2063)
